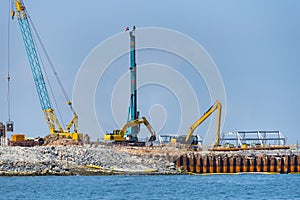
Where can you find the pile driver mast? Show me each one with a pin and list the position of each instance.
(133, 113)
(33, 58)
(131, 128)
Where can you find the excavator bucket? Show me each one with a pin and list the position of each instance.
(152, 138)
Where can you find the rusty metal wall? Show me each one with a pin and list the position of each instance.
(197, 163)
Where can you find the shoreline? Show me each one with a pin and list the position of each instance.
(101, 160)
(87, 159)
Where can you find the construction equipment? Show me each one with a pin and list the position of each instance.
(122, 136)
(181, 139)
(114, 136)
(20, 140)
(17, 137)
(3, 139)
(34, 61)
(193, 143)
(133, 120)
(9, 123)
(216, 106)
(133, 114)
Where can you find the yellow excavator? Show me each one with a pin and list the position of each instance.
(216, 106)
(120, 135)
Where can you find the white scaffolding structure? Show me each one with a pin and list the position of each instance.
(253, 138)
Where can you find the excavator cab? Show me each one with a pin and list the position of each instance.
(195, 140)
(114, 136)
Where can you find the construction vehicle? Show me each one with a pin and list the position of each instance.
(131, 129)
(193, 143)
(114, 136)
(54, 125)
(121, 136)
(181, 139)
(216, 106)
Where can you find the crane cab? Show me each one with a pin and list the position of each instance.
(10, 126)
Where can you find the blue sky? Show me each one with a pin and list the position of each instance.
(255, 45)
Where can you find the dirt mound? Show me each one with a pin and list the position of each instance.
(56, 139)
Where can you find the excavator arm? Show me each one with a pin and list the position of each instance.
(137, 122)
(216, 106)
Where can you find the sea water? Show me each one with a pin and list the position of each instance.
(243, 186)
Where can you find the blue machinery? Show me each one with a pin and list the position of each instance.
(51, 119)
(133, 113)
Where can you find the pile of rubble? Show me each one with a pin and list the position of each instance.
(84, 159)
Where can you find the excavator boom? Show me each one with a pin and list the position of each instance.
(216, 106)
(119, 135)
(137, 122)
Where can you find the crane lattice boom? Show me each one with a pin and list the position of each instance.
(33, 58)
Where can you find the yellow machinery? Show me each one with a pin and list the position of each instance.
(114, 136)
(120, 135)
(216, 106)
(54, 125)
(17, 137)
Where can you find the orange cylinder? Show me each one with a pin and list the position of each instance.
(286, 164)
(185, 162)
(293, 164)
(218, 164)
(232, 165)
(245, 164)
(258, 167)
(204, 164)
(251, 165)
(238, 164)
(265, 164)
(272, 164)
(225, 164)
(279, 165)
(212, 164)
(179, 162)
(197, 163)
(191, 163)
(298, 163)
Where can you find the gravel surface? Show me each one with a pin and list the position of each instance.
(88, 159)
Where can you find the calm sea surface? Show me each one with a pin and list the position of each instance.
(152, 187)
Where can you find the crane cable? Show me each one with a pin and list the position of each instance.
(8, 61)
(52, 66)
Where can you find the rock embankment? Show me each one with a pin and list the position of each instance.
(87, 159)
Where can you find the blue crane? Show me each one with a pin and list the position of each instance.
(33, 58)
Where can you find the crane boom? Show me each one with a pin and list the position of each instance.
(214, 107)
(36, 68)
(33, 58)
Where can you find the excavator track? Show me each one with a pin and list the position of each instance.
(128, 143)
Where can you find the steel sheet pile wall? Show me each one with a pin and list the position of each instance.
(197, 163)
